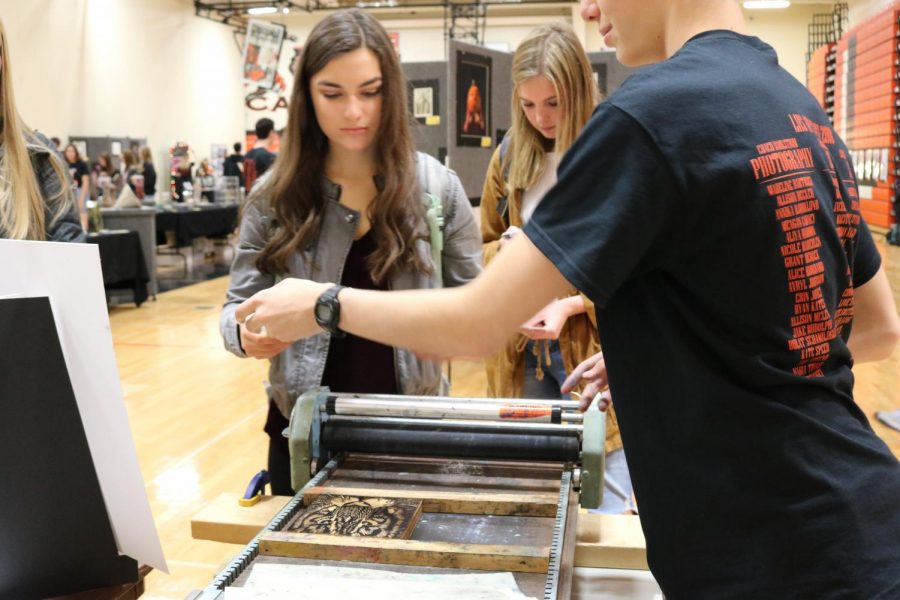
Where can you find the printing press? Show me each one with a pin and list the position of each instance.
(500, 483)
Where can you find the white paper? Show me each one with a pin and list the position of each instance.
(69, 274)
(283, 581)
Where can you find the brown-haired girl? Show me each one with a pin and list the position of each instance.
(344, 202)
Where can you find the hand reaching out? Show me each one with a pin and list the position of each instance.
(260, 346)
(593, 371)
(285, 310)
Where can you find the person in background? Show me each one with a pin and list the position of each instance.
(234, 164)
(149, 174)
(57, 143)
(107, 179)
(711, 212)
(350, 194)
(260, 155)
(553, 96)
(205, 181)
(81, 175)
(36, 198)
(133, 166)
(184, 181)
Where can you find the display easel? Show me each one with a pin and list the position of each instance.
(56, 533)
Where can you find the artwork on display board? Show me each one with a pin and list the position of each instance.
(115, 148)
(271, 102)
(424, 98)
(262, 49)
(473, 98)
(599, 71)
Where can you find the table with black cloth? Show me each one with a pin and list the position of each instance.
(122, 262)
(189, 222)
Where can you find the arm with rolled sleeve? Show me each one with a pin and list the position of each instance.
(461, 257)
(246, 279)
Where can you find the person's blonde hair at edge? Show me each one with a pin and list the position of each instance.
(21, 203)
(552, 51)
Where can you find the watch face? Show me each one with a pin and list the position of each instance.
(323, 313)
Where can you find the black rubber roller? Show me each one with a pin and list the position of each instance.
(467, 444)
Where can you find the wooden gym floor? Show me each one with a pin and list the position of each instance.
(197, 413)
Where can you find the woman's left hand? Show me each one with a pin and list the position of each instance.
(547, 323)
(286, 310)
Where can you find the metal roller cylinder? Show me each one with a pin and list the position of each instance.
(346, 437)
(445, 409)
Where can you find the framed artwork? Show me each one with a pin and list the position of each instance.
(473, 98)
(599, 71)
(262, 49)
(424, 98)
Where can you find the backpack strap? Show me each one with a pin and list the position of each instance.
(503, 203)
(433, 177)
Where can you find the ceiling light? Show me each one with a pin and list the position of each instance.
(262, 10)
(766, 4)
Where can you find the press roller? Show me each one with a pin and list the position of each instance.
(324, 425)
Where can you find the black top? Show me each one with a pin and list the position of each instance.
(719, 235)
(77, 170)
(354, 364)
(263, 159)
(231, 168)
(149, 179)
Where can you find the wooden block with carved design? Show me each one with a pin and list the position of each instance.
(357, 516)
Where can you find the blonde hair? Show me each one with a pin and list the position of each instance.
(130, 159)
(552, 51)
(22, 205)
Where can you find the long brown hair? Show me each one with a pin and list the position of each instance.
(552, 51)
(294, 189)
(22, 205)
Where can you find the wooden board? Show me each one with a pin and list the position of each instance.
(225, 520)
(479, 557)
(358, 516)
(474, 503)
(611, 541)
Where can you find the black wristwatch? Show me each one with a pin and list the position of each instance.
(328, 311)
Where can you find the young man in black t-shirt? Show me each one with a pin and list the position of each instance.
(712, 214)
(260, 154)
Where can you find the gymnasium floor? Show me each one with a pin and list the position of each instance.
(197, 413)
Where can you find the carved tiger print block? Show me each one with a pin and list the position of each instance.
(354, 516)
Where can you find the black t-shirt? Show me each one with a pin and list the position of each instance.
(354, 364)
(711, 213)
(149, 179)
(231, 168)
(78, 170)
(262, 158)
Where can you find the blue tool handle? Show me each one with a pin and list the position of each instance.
(256, 487)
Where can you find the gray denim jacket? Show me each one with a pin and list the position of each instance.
(67, 226)
(302, 365)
